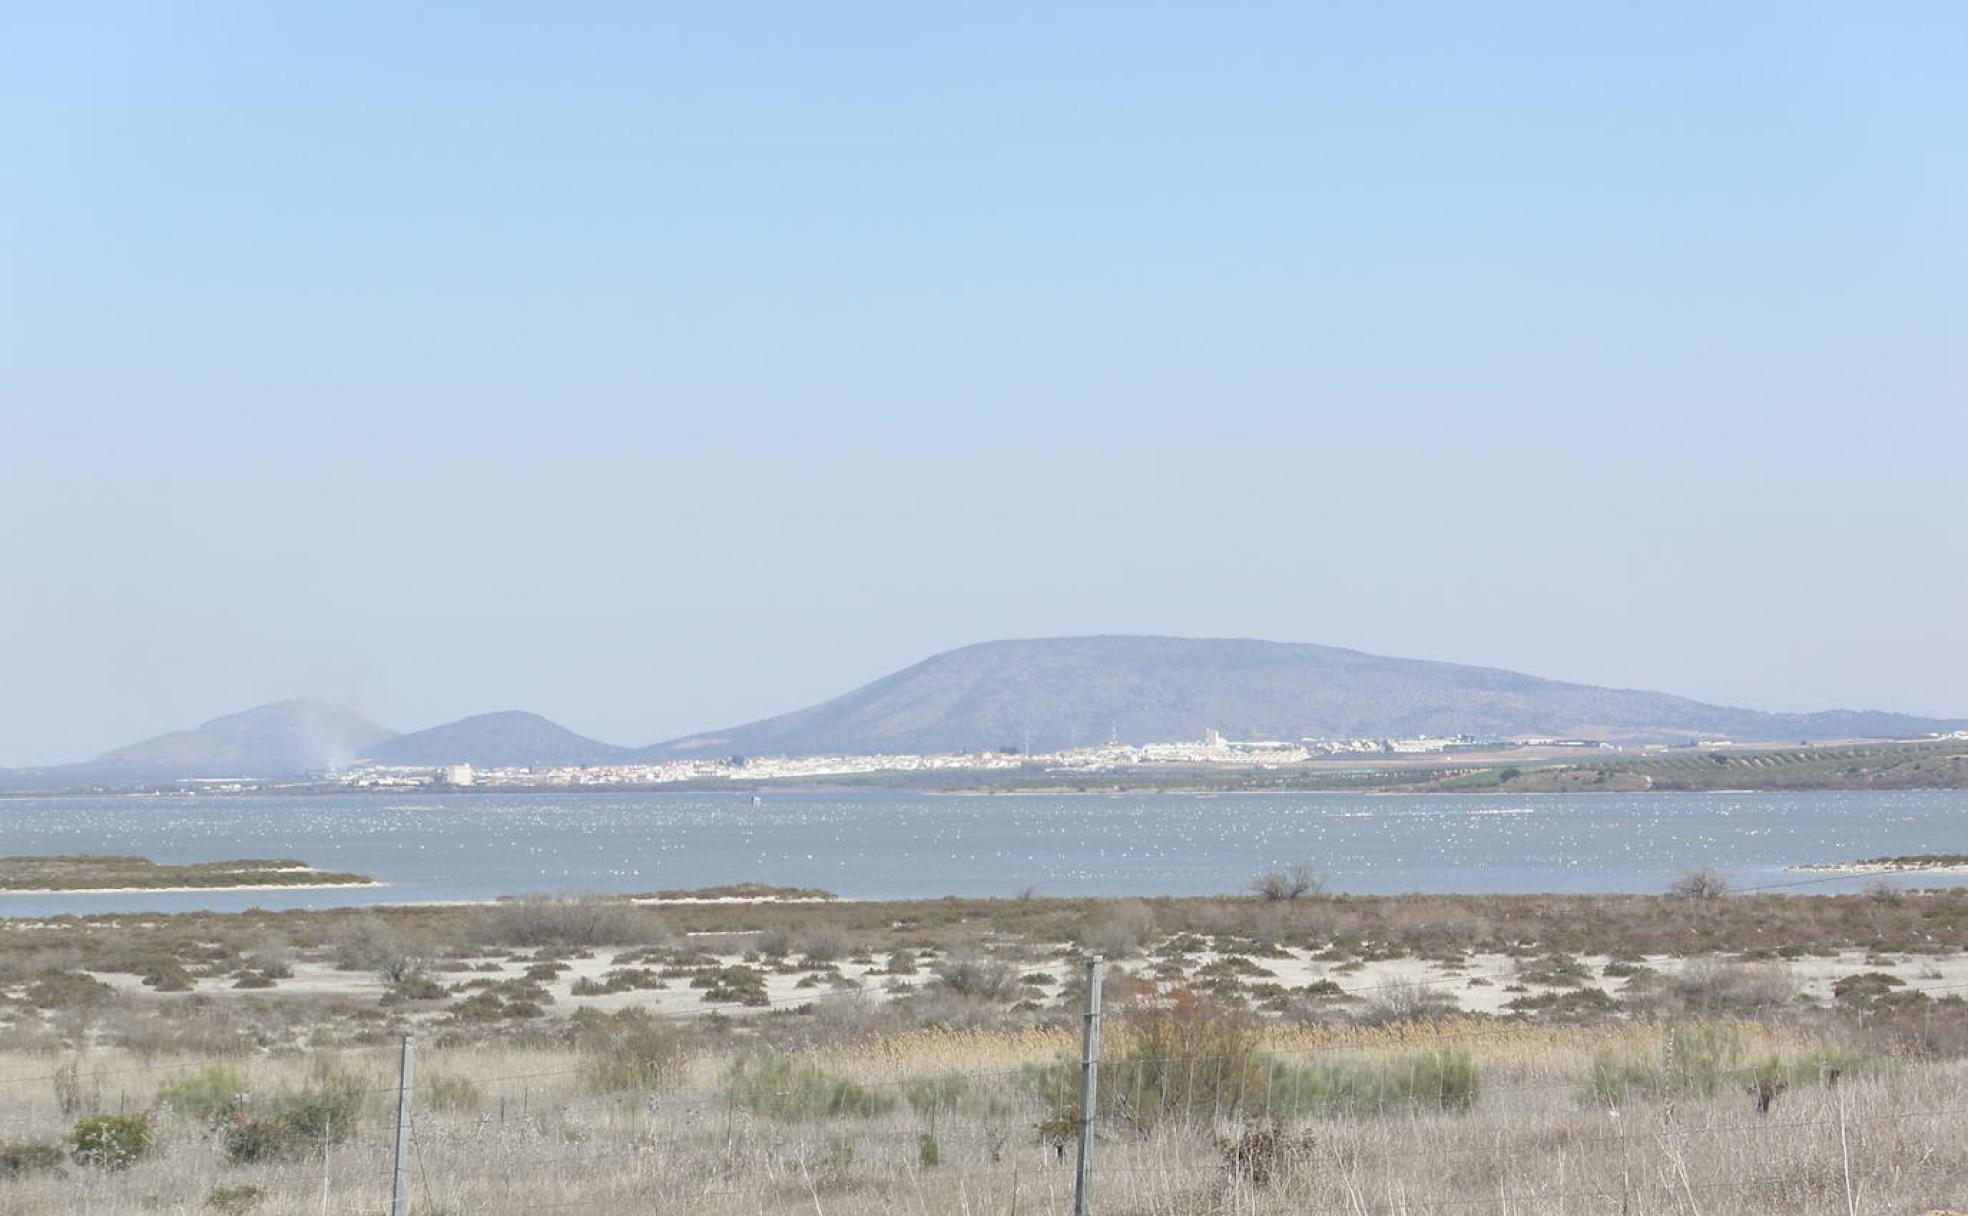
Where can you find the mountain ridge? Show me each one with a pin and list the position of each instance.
(1038, 694)
(1077, 691)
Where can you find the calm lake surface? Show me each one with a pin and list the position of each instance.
(470, 846)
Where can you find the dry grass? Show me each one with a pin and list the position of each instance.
(875, 1082)
(532, 1135)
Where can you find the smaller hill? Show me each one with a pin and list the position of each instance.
(276, 740)
(508, 739)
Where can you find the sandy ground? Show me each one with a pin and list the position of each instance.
(1484, 983)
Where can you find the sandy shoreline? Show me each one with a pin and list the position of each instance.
(248, 886)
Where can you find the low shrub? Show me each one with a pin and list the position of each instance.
(298, 1123)
(1121, 929)
(415, 987)
(1705, 1058)
(629, 1051)
(1576, 1003)
(23, 1157)
(234, 1200)
(1406, 1001)
(68, 990)
(934, 1096)
(371, 944)
(168, 976)
(570, 923)
(271, 958)
(823, 943)
(111, 1142)
(1703, 882)
(210, 1095)
(1711, 986)
(1262, 1150)
(773, 1084)
(1292, 882)
(1185, 1055)
(738, 985)
(1554, 971)
(1360, 1086)
(976, 976)
(622, 979)
(1863, 987)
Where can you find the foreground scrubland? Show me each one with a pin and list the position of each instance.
(1727, 1054)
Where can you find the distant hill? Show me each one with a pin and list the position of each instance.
(1039, 694)
(512, 738)
(277, 740)
(1051, 693)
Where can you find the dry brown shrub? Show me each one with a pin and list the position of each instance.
(570, 923)
(1712, 986)
(1121, 929)
(1183, 1054)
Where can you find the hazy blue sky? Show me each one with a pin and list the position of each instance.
(660, 368)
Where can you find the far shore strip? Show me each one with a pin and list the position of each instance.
(422, 903)
(244, 886)
(1881, 867)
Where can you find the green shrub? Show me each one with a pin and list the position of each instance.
(209, 1095)
(418, 987)
(1579, 1003)
(622, 979)
(1705, 1058)
(1355, 1086)
(168, 976)
(110, 1142)
(738, 984)
(1555, 970)
(1694, 1058)
(932, 1096)
(234, 1200)
(772, 1084)
(30, 1157)
(68, 990)
(298, 1123)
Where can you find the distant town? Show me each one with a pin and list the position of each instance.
(1212, 751)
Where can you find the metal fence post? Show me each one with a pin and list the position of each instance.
(1089, 1081)
(400, 1184)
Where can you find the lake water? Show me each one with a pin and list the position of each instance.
(895, 845)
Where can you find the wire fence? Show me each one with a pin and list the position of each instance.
(1682, 1122)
